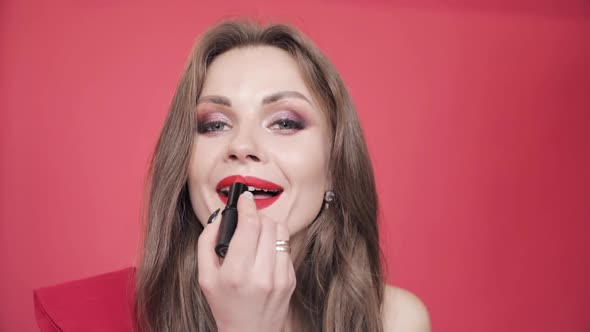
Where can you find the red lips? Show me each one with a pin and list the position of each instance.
(250, 181)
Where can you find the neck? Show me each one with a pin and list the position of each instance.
(296, 243)
(291, 322)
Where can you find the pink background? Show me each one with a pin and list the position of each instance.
(476, 114)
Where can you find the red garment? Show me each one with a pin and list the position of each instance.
(99, 303)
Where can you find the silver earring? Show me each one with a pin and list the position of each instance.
(329, 197)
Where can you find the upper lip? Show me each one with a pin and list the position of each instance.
(250, 181)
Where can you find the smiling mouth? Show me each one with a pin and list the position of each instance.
(265, 192)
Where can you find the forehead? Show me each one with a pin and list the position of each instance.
(254, 70)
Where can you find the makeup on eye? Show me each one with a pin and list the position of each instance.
(283, 121)
(210, 127)
(286, 120)
(211, 122)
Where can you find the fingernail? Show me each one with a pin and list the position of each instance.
(248, 195)
(213, 216)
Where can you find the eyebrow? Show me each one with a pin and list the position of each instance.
(273, 98)
(215, 100)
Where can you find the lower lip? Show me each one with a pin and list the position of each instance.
(260, 203)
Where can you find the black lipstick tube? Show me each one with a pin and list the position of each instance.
(229, 218)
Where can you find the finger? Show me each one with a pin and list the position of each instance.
(207, 260)
(242, 247)
(283, 263)
(265, 255)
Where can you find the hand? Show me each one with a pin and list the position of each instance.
(251, 289)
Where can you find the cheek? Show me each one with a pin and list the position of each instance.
(199, 170)
(198, 165)
(305, 166)
(303, 160)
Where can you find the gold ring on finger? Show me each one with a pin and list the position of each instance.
(283, 246)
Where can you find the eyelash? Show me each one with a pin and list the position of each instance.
(208, 127)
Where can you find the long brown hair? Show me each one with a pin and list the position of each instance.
(339, 274)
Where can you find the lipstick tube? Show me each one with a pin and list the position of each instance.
(229, 218)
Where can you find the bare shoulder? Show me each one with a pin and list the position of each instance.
(404, 311)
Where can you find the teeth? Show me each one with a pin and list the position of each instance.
(251, 188)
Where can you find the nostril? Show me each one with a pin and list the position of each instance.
(250, 156)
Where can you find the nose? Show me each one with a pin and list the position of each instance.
(244, 147)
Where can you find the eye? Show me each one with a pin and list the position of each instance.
(211, 126)
(287, 124)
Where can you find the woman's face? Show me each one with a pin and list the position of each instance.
(257, 119)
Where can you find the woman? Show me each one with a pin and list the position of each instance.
(262, 105)
(265, 103)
